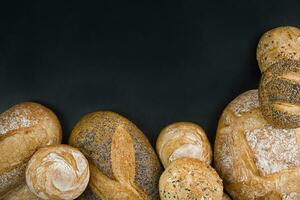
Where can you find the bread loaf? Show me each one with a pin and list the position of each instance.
(256, 160)
(188, 178)
(122, 162)
(183, 139)
(279, 94)
(23, 129)
(282, 43)
(57, 172)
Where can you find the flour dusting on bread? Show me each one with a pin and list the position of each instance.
(274, 149)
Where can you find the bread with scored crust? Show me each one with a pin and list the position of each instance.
(122, 162)
(57, 172)
(183, 139)
(254, 159)
(24, 128)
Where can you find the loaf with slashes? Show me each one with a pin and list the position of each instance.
(183, 139)
(122, 162)
(58, 172)
(24, 128)
(255, 159)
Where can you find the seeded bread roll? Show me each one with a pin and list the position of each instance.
(279, 94)
(256, 160)
(24, 128)
(183, 139)
(57, 172)
(122, 162)
(282, 43)
(188, 178)
(20, 193)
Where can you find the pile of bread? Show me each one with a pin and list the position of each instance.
(256, 152)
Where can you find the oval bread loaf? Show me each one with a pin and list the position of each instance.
(57, 172)
(282, 43)
(183, 139)
(256, 160)
(24, 128)
(122, 162)
(188, 178)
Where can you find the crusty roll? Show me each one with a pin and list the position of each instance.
(122, 162)
(256, 160)
(23, 129)
(282, 43)
(57, 172)
(279, 94)
(183, 139)
(189, 178)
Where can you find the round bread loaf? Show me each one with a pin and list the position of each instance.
(282, 43)
(24, 128)
(189, 178)
(279, 94)
(183, 139)
(57, 172)
(122, 162)
(21, 193)
(256, 160)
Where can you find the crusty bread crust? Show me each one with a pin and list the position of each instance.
(23, 129)
(122, 162)
(256, 160)
(183, 139)
(282, 43)
(188, 178)
(57, 172)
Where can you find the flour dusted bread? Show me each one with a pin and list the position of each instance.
(187, 179)
(183, 139)
(282, 43)
(279, 94)
(57, 172)
(122, 162)
(256, 160)
(23, 129)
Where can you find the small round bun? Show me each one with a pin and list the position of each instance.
(188, 178)
(57, 172)
(183, 139)
(254, 159)
(279, 94)
(282, 43)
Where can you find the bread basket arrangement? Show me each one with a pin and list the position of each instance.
(256, 152)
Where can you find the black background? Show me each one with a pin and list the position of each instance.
(155, 62)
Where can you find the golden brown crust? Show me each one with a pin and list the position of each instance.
(256, 160)
(57, 172)
(121, 158)
(282, 43)
(183, 139)
(188, 178)
(279, 94)
(23, 129)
